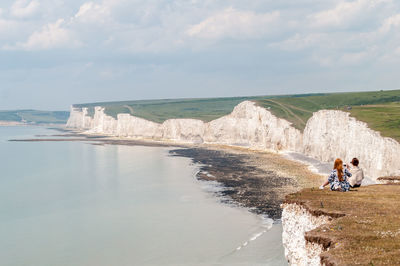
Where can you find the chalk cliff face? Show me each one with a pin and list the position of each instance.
(296, 221)
(334, 134)
(252, 126)
(329, 134)
(248, 126)
(79, 119)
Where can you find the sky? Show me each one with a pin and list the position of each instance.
(54, 53)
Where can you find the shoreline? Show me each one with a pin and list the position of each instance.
(257, 180)
(249, 178)
(12, 123)
(56, 126)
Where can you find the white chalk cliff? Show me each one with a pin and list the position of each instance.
(296, 221)
(328, 134)
(247, 126)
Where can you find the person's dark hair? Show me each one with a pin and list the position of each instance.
(355, 162)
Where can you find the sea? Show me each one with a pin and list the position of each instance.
(79, 204)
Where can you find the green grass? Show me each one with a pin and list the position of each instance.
(298, 109)
(384, 118)
(205, 109)
(161, 110)
(34, 116)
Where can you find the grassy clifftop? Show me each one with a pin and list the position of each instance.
(379, 109)
(161, 110)
(298, 109)
(381, 117)
(367, 231)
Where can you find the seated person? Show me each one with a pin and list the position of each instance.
(338, 177)
(357, 174)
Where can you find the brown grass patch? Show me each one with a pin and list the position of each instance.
(368, 233)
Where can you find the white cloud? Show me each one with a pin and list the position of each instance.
(351, 33)
(161, 26)
(344, 12)
(234, 24)
(24, 8)
(256, 44)
(91, 12)
(389, 23)
(52, 35)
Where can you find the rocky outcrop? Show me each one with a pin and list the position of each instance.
(389, 179)
(296, 221)
(329, 134)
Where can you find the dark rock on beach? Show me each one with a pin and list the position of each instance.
(259, 189)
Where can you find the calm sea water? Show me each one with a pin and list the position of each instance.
(73, 203)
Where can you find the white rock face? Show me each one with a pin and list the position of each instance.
(328, 134)
(183, 130)
(79, 119)
(334, 134)
(252, 126)
(130, 126)
(248, 125)
(296, 221)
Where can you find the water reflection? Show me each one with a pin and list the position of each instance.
(72, 203)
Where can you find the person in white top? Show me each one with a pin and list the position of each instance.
(357, 174)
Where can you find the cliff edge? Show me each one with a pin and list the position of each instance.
(360, 227)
